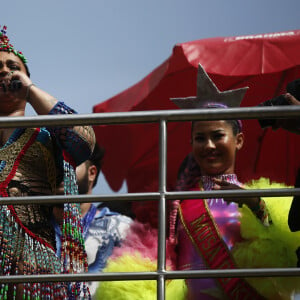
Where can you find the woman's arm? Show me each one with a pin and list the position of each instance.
(41, 101)
(78, 141)
(294, 213)
(26, 91)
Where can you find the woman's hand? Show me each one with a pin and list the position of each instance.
(14, 85)
(13, 88)
(19, 87)
(220, 184)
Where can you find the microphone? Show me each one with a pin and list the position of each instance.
(15, 85)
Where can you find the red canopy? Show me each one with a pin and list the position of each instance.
(264, 62)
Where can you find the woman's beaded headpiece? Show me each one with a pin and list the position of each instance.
(6, 46)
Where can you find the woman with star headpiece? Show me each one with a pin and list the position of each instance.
(32, 162)
(212, 233)
(227, 233)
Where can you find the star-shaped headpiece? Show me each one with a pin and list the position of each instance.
(208, 93)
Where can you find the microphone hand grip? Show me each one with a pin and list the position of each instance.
(15, 85)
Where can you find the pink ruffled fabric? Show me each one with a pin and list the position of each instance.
(143, 238)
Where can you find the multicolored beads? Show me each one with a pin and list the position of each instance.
(22, 254)
(6, 46)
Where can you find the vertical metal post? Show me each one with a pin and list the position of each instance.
(161, 251)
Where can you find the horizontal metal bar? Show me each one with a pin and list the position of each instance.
(150, 196)
(80, 277)
(152, 116)
(236, 273)
(234, 193)
(78, 198)
(124, 276)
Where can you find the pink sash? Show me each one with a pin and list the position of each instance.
(203, 232)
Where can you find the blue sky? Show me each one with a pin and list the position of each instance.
(84, 52)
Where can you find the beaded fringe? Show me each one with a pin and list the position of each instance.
(23, 254)
(73, 255)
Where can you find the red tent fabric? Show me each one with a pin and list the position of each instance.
(264, 62)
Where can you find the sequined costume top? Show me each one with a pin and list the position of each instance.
(227, 219)
(41, 168)
(32, 162)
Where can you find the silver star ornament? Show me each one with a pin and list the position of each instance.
(207, 92)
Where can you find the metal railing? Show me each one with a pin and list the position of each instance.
(161, 117)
